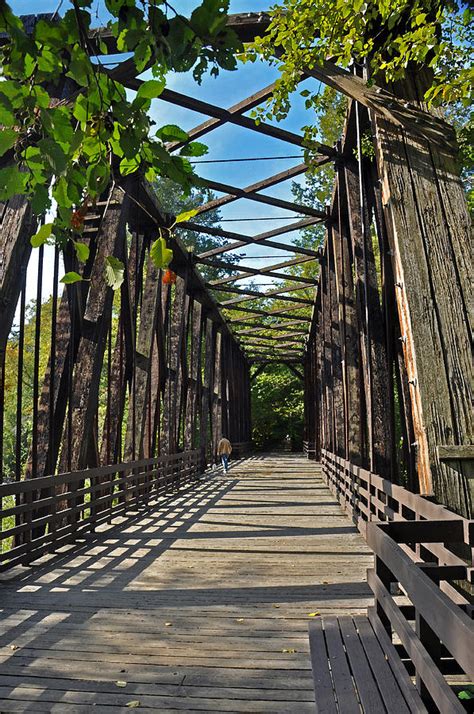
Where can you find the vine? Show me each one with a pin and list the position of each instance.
(71, 150)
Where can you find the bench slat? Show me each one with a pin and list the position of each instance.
(345, 692)
(366, 685)
(409, 691)
(391, 694)
(323, 689)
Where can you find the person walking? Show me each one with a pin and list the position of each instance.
(224, 450)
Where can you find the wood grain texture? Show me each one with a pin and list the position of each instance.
(235, 565)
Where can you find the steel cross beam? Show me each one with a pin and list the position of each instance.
(251, 192)
(260, 238)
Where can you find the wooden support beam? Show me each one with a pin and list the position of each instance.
(17, 225)
(278, 293)
(251, 192)
(401, 114)
(280, 327)
(195, 376)
(75, 452)
(233, 115)
(428, 231)
(271, 338)
(261, 238)
(247, 270)
(267, 313)
(171, 402)
(137, 414)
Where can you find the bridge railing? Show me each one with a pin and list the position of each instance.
(39, 515)
(436, 635)
(422, 581)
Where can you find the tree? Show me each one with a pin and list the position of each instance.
(389, 38)
(71, 150)
(277, 408)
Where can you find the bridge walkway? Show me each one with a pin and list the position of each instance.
(199, 603)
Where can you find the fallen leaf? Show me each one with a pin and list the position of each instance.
(13, 647)
(133, 704)
(240, 619)
(290, 651)
(168, 624)
(313, 614)
(120, 683)
(277, 606)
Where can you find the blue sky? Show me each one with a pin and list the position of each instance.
(227, 141)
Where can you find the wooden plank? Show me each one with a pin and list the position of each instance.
(323, 687)
(388, 686)
(17, 225)
(341, 675)
(407, 687)
(364, 678)
(235, 565)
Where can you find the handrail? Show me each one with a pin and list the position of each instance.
(50, 511)
(423, 552)
(442, 637)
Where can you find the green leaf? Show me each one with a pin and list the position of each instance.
(160, 254)
(12, 182)
(171, 132)
(129, 166)
(42, 235)
(54, 154)
(151, 89)
(186, 215)
(82, 251)
(196, 148)
(82, 110)
(71, 278)
(8, 138)
(134, 704)
(114, 272)
(40, 200)
(97, 178)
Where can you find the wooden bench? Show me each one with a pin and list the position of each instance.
(355, 669)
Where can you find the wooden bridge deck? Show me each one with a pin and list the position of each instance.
(199, 604)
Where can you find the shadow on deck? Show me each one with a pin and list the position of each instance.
(200, 602)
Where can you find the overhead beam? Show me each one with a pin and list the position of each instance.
(260, 238)
(279, 327)
(279, 293)
(268, 313)
(268, 270)
(253, 271)
(272, 338)
(251, 193)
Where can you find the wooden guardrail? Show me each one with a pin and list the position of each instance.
(422, 580)
(436, 634)
(39, 515)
